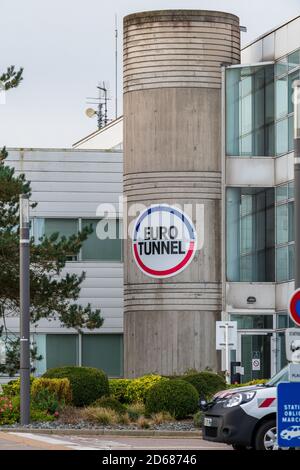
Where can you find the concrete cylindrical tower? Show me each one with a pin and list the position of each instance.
(172, 154)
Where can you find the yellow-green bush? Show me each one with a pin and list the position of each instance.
(118, 389)
(137, 389)
(61, 388)
(251, 382)
(12, 388)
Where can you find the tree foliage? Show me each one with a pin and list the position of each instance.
(11, 78)
(53, 292)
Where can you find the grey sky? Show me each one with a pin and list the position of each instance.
(67, 46)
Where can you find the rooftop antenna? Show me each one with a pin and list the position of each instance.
(116, 65)
(101, 102)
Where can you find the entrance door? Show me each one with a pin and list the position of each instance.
(254, 353)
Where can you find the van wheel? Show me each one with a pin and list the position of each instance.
(265, 438)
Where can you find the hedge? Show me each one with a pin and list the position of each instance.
(118, 389)
(61, 388)
(130, 391)
(87, 383)
(178, 397)
(111, 403)
(206, 383)
(138, 388)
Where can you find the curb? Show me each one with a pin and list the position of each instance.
(107, 432)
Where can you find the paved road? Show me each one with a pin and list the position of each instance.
(27, 441)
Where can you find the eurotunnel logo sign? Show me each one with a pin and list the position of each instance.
(164, 241)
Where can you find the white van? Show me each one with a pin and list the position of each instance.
(244, 417)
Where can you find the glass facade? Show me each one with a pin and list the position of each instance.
(250, 111)
(285, 232)
(286, 71)
(259, 221)
(250, 236)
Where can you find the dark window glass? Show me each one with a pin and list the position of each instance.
(245, 322)
(103, 351)
(61, 350)
(250, 111)
(105, 242)
(250, 234)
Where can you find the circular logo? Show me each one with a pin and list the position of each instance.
(164, 241)
(294, 307)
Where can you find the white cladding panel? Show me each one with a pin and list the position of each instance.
(283, 292)
(72, 183)
(238, 292)
(250, 171)
(274, 45)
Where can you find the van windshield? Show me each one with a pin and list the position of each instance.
(281, 376)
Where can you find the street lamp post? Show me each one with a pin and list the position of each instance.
(24, 311)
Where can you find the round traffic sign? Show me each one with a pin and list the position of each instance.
(294, 307)
(164, 241)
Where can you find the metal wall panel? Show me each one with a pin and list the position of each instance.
(72, 183)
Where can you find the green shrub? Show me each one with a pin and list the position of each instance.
(40, 416)
(12, 388)
(138, 388)
(110, 403)
(198, 419)
(251, 382)
(118, 389)
(87, 383)
(177, 397)
(61, 388)
(206, 383)
(45, 400)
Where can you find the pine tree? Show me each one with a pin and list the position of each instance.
(52, 294)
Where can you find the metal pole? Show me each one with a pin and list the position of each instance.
(24, 311)
(227, 353)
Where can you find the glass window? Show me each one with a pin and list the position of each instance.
(291, 226)
(282, 193)
(282, 320)
(291, 78)
(281, 67)
(291, 190)
(294, 59)
(65, 227)
(61, 350)
(103, 351)
(250, 111)
(105, 242)
(291, 253)
(250, 234)
(282, 271)
(282, 224)
(282, 136)
(245, 322)
(291, 133)
(281, 97)
(285, 232)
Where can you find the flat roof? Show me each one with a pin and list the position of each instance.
(54, 149)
